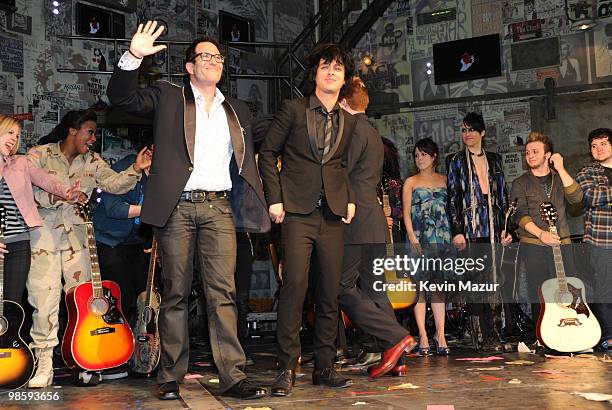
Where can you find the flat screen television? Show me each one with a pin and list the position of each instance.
(98, 22)
(235, 28)
(467, 59)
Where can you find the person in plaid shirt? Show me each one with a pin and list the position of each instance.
(594, 179)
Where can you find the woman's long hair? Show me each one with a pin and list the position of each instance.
(72, 119)
(6, 123)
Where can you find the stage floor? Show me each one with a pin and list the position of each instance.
(548, 383)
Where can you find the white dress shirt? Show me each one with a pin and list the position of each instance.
(213, 146)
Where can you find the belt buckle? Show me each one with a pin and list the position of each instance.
(319, 203)
(197, 196)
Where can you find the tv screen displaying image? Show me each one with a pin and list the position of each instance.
(235, 28)
(467, 59)
(97, 22)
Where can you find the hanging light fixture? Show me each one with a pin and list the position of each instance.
(580, 19)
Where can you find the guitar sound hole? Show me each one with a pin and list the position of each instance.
(99, 306)
(3, 325)
(564, 298)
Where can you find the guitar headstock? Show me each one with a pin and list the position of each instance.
(84, 211)
(549, 213)
(512, 208)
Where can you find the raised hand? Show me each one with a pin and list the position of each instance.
(142, 41)
(143, 159)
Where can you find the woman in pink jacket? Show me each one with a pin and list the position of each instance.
(18, 212)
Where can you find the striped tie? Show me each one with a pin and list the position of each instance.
(328, 133)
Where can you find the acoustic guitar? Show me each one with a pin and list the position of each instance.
(97, 336)
(400, 299)
(566, 322)
(16, 358)
(146, 337)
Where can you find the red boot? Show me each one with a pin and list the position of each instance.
(391, 356)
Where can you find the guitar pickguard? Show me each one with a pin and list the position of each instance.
(113, 315)
(577, 303)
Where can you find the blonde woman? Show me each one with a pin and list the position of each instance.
(17, 175)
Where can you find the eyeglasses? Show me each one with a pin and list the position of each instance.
(206, 57)
(466, 130)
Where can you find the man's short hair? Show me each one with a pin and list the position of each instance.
(328, 53)
(356, 94)
(190, 53)
(599, 133)
(475, 121)
(535, 136)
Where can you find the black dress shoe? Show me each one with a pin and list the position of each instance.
(168, 391)
(283, 383)
(245, 390)
(330, 377)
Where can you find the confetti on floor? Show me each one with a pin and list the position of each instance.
(403, 386)
(193, 376)
(514, 381)
(547, 371)
(520, 362)
(594, 396)
(487, 368)
(480, 359)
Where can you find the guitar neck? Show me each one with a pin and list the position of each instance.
(559, 267)
(390, 247)
(96, 278)
(151, 274)
(1, 282)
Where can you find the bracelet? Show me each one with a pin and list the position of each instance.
(134, 55)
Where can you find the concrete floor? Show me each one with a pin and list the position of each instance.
(546, 384)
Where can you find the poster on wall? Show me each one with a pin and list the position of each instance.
(573, 68)
(486, 17)
(513, 10)
(207, 24)
(11, 55)
(512, 163)
(255, 94)
(601, 39)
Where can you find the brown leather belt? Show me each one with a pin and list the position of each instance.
(202, 196)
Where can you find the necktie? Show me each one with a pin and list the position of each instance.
(328, 133)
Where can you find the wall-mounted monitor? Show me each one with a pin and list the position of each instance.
(235, 28)
(467, 59)
(94, 21)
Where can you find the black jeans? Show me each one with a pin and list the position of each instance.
(127, 265)
(205, 230)
(16, 269)
(322, 231)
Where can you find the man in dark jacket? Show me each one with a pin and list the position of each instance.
(202, 186)
(365, 240)
(476, 202)
(311, 198)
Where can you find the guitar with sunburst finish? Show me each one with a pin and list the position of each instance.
(16, 358)
(97, 336)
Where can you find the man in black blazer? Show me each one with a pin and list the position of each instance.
(365, 238)
(203, 186)
(311, 197)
